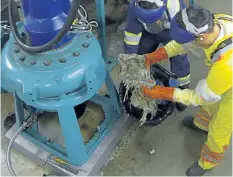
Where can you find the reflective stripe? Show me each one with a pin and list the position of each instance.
(190, 27)
(204, 92)
(202, 120)
(200, 116)
(205, 113)
(131, 43)
(157, 2)
(217, 56)
(184, 80)
(210, 156)
(173, 7)
(132, 39)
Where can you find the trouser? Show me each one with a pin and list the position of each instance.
(179, 64)
(217, 120)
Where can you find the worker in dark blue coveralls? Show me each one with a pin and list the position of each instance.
(148, 24)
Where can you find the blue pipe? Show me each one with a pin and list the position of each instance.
(191, 2)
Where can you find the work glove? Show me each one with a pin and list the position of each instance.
(155, 57)
(159, 92)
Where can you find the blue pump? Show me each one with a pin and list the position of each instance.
(44, 19)
(57, 80)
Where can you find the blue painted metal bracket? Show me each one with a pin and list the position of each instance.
(191, 2)
(100, 17)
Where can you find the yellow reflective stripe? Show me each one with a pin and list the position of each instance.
(131, 43)
(132, 34)
(132, 39)
(184, 80)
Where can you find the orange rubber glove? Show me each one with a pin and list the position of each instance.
(159, 93)
(156, 56)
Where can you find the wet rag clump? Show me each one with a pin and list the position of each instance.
(134, 74)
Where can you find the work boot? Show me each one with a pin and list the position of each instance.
(179, 106)
(189, 123)
(195, 170)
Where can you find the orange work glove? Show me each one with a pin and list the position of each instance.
(156, 56)
(159, 93)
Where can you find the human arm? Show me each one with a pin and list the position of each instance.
(171, 49)
(208, 91)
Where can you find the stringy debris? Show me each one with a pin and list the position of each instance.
(134, 74)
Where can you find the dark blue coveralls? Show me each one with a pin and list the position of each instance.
(139, 40)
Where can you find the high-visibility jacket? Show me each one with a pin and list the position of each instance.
(218, 83)
(134, 28)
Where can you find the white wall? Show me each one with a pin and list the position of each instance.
(216, 6)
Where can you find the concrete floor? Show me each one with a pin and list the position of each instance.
(176, 147)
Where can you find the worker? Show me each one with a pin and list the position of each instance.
(148, 23)
(214, 94)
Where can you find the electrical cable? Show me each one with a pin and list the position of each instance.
(82, 24)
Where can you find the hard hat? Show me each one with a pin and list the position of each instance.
(183, 31)
(150, 15)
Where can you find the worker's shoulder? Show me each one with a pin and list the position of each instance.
(224, 50)
(224, 59)
(224, 17)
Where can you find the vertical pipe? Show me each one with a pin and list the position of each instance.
(191, 2)
(100, 16)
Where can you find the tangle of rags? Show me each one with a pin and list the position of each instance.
(134, 74)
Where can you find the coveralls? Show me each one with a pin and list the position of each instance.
(213, 94)
(141, 40)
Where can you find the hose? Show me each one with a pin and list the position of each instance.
(49, 45)
(8, 155)
(26, 124)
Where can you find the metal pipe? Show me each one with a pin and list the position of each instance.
(191, 2)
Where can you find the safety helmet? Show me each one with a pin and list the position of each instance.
(150, 15)
(183, 31)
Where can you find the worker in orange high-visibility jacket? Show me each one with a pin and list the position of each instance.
(214, 94)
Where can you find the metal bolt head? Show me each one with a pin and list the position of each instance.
(33, 62)
(62, 60)
(88, 35)
(47, 62)
(85, 45)
(17, 49)
(76, 54)
(22, 58)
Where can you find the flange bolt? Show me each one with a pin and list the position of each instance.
(85, 45)
(76, 54)
(47, 62)
(62, 60)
